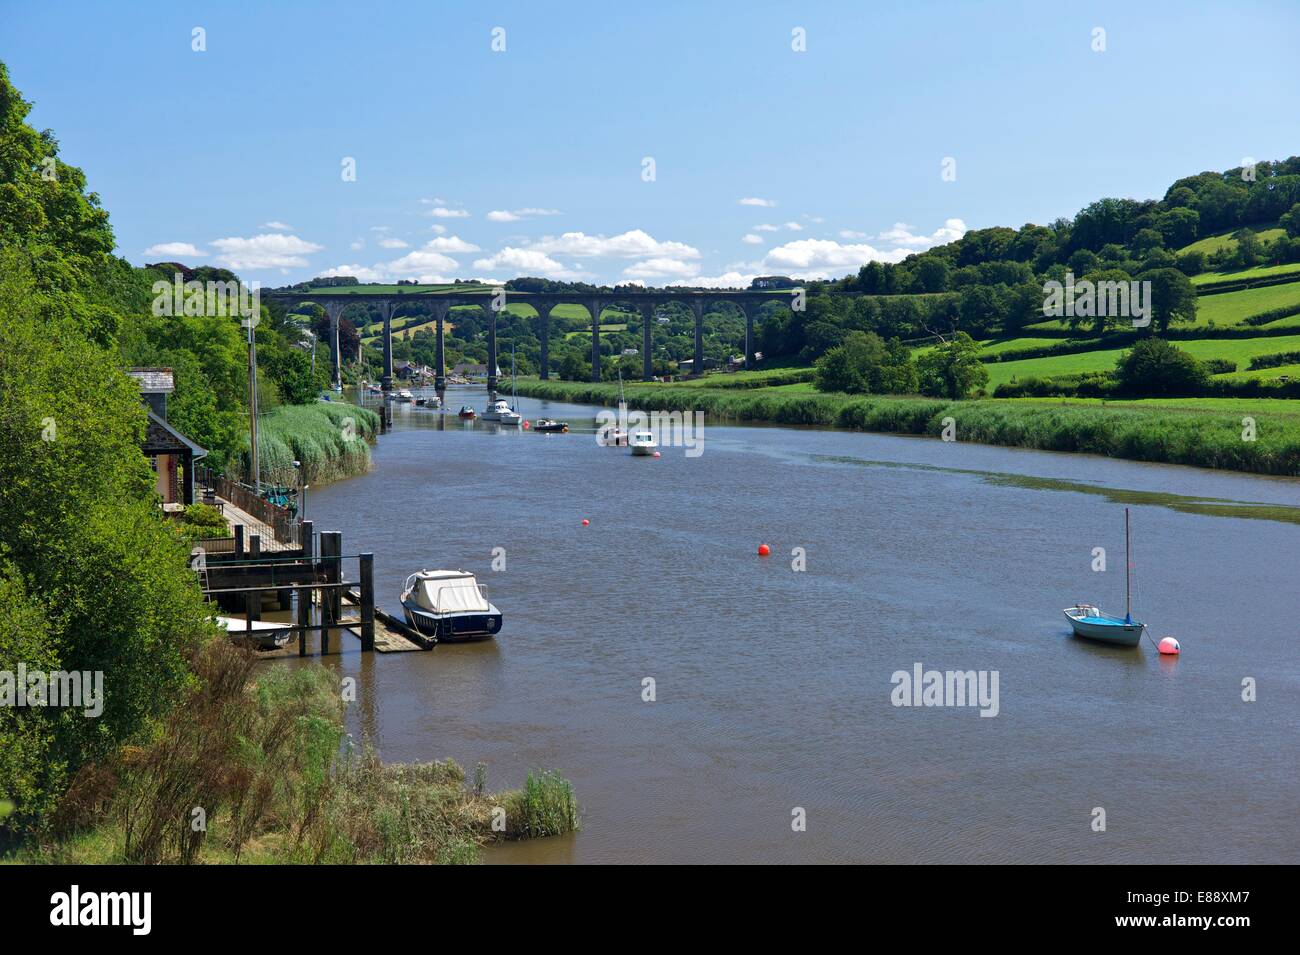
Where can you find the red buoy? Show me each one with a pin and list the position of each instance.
(585, 522)
(764, 550)
(1169, 647)
(526, 426)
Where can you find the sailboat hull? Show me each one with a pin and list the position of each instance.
(1102, 629)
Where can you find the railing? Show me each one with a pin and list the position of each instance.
(279, 528)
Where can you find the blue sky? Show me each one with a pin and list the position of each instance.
(233, 155)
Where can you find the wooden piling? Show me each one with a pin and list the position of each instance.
(331, 601)
(367, 562)
(304, 593)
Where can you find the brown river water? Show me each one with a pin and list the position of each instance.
(773, 685)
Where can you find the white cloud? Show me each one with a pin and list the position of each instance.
(392, 244)
(442, 212)
(381, 228)
(174, 248)
(361, 272)
(266, 251)
(794, 227)
(901, 234)
(765, 227)
(726, 280)
(528, 262)
(357, 246)
(827, 258)
(438, 228)
(752, 239)
(280, 226)
(452, 243)
(661, 268)
(751, 201)
(815, 219)
(530, 212)
(627, 245)
(422, 262)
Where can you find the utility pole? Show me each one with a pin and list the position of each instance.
(252, 410)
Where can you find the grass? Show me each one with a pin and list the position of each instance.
(329, 438)
(1221, 241)
(1259, 272)
(1200, 436)
(1231, 308)
(1240, 350)
(263, 752)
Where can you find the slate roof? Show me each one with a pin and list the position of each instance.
(153, 381)
(162, 438)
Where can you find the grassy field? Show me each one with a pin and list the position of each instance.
(1240, 350)
(1223, 241)
(1263, 271)
(1184, 433)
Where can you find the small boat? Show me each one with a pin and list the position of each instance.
(1090, 623)
(550, 426)
(405, 397)
(501, 412)
(467, 412)
(642, 443)
(449, 605)
(264, 634)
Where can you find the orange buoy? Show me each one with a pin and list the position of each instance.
(764, 550)
(1169, 647)
(585, 522)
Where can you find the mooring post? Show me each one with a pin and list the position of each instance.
(367, 562)
(253, 602)
(331, 550)
(239, 542)
(304, 593)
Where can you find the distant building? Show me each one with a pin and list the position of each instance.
(170, 453)
(467, 370)
(630, 351)
(687, 365)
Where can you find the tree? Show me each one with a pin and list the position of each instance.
(864, 364)
(1291, 221)
(952, 369)
(1173, 297)
(1154, 368)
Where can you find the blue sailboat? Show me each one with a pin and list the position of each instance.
(1091, 624)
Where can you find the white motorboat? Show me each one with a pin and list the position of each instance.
(501, 412)
(642, 443)
(262, 635)
(449, 605)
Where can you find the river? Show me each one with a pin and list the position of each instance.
(773, 685)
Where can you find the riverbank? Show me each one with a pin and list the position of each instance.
(329, 438)
(264, 753)
(1193, 435)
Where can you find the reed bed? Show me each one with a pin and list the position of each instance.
(329, 438)
(1200, 437)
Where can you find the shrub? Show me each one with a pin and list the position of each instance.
(1155, 368)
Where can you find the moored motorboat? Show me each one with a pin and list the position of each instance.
(642, 443)
(1089, 622)
(467, 412)
(449, 605)
(550, 426)
(262, 635)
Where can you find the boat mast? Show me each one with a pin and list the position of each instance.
(1128, 566)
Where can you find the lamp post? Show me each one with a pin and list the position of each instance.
(302, 492)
